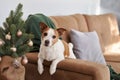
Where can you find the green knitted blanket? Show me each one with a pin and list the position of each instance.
(32, 26)
(113, 75)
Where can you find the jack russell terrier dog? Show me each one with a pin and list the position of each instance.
(52, 48)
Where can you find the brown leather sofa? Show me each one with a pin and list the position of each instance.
(76, 69)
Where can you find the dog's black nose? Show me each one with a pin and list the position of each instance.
(47, 42)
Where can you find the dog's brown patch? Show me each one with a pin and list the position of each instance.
(45, 31)
(66, 52)
(61, 31)
(43, 26)
(57, 36)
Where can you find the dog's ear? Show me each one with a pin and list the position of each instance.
(43, 26)
(61, 31)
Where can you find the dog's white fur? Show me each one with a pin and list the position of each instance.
(54, 53)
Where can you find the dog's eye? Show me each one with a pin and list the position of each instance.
(45, 34)
(54, 37)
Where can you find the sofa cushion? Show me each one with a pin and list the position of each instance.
(115, 66)
(112, 56)
(86, 46)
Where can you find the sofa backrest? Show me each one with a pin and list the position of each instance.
(105, 25)
(76, 21)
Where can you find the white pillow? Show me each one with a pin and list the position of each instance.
(87, 46)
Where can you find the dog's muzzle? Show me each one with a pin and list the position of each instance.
(47, 42)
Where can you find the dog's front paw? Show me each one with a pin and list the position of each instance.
(40, 70)
(52, 71)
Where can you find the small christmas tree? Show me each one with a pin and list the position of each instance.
(14, 41)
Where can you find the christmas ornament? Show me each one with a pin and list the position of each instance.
(1, 42)
(8, 36)
(13, 49)
(0, 59)
(30, 43)
(24, 60)
(19, 33)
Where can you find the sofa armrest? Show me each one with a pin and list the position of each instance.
(98, 71)
(32, 57)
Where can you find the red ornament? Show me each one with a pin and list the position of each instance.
(24, 60)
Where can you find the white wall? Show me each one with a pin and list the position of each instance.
(49, 7)
(113, 6)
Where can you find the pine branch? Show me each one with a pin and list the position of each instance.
(15, 55)
(6, 51)
(6, 26)
(21, 40)
(18, 17)
(23, 49)
(13, 33)
(20, 25)
(11, 14)
(18, 9)
(1, 52)
(2, 33)
(8, 20)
